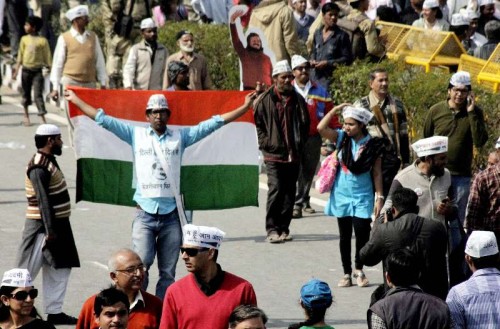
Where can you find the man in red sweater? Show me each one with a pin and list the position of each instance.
(206, 297)
(127, 273)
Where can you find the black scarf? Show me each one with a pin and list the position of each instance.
(374, 147)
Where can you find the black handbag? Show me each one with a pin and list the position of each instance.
(124, 23)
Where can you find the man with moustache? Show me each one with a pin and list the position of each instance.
(462, 121)
(147, 61)
(47, 239)
(319, 103)
(126, 270)
(156, 229)
(205, 297)
(282, 123)
(111, 309)
(199, 77)
(429, 179)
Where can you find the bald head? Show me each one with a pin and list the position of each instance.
(121, 256)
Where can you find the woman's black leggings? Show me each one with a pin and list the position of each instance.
(362, 232)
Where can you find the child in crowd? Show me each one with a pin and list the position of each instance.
(34, 56)
(315, 298)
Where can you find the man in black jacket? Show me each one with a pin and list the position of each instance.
(405, 305)
(282, 123)
(425, 237)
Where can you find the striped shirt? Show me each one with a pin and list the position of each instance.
(475, 303)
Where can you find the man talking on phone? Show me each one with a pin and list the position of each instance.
(462, 121)
(405, 229)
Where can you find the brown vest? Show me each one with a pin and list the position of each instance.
(58, 191)
(80, 62)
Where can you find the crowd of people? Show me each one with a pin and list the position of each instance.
(433, 225)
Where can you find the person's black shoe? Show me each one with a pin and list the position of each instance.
(61, 318)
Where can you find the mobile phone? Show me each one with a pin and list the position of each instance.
(388, 213)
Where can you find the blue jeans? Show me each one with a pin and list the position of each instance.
(461, 187)
(158, 234)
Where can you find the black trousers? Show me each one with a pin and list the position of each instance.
(307, 169)
(361, 231)
(33, 79)
(281, 180)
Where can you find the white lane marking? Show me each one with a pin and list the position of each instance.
(97, 264)
(54, 117)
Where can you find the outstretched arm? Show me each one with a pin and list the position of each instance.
(235, 114)
(86, 108)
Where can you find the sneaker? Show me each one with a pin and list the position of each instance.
(346, 281)
(61, 318)
(273, 238)
(361, 279)
(309, 209)
(297, 213)
(286, 237)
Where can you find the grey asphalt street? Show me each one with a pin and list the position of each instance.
(276, 271)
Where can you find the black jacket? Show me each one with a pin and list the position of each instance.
(410, 308)
(430, 247)
(269, 130)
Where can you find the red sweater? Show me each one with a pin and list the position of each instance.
(147, 317)
(186, 307)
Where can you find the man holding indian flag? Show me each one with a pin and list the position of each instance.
(160, 212)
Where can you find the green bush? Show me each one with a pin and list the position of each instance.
(213, 41)
(418, 91)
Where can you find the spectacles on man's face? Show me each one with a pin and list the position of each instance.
(460, 90)
(133, 270)
(23, 294)
(192, 252)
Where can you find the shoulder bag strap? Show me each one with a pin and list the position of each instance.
(395, 118)
(166, 168)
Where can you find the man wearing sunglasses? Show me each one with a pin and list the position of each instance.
(126, 270)
(206, 297)
(111, 309)
(156, 227)
(47, 240)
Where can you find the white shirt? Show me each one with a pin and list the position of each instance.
(138, 298)
(60, 58)
(217, 10)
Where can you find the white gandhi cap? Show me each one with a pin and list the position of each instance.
(429, 4)
(481, 244)
(460, 78)
(281, 67)
(147, 23)
(430, 146)
(17, 277)
(78, 11)
(298, 60)
(202, 236)
(358, 113)
(157, 102)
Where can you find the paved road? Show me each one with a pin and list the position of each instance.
(276, 271)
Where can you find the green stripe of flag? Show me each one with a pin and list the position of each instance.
(109, 181)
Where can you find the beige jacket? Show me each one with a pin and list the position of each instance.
(140, 74)
(275, 19)
(373, 44)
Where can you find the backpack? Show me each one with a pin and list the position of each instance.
(356, 37)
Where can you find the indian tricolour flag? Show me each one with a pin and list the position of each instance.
(220, 171)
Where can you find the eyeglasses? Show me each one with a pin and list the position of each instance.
(158, 112)
(460, 91)
(111, 314)
(22, 295)
(133, 270)
(192, 252)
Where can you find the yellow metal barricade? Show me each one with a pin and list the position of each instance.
(490, 74)
(420, 46)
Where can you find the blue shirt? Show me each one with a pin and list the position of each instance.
(475, 303)
(352, 195)
(189, 136)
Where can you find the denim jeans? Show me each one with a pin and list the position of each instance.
(162, 235)
(461, 187)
